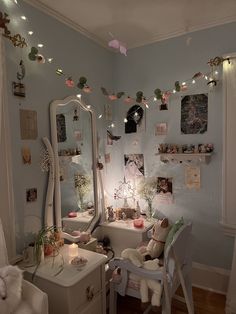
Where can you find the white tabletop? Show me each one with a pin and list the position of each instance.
(68, 275)
(128, 225)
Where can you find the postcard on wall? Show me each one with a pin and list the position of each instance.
(164, 190)
(31, 195)
(28, 124)
(194, 114)
(192, 177)
(161, 129)
(26, 155)
(134, 166)
(108, 112)
(78, 135)
(107, 158)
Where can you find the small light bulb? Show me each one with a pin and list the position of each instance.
(193, 81)
(15, 1)
(23, 17)
(216, 72)
(206, 78)
(30, 33)
(50, 60)
(125, 120)
(78, 96)
(40, 45)
(184, 83)
(100, 116)
(136, 114)
(154, 99)
(88, 106)
(147, 106)
(174, 91)
(112, 125)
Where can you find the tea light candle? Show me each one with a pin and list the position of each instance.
(73, 249)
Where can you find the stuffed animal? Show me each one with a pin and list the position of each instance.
(134, 256)
(156, 245)
(154, 285)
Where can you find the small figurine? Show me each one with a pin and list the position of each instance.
(111, 215)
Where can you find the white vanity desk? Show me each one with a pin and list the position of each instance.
(72, 291)
(79, 222)
(123, 234)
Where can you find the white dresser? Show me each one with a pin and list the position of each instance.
(123, 234)
(73, 290)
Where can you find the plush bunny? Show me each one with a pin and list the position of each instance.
(156, 245)
(154, 285)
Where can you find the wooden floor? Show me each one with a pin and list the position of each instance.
(205, 302)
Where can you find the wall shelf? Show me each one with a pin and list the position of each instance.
(200, 157)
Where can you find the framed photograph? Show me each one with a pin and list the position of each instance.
(134, 166)
(161, 129)
(18, 89)
(31, 195)
(194, 114)
(164, 190)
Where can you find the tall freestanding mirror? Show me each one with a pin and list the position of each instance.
(73, 136)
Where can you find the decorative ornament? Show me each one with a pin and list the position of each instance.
(3, 21)
(212, 83)
(70, 82)
(17, 40)
(112, 96)
(129, 100)
(125, 190)
(117, 45)
(158, 93)
(113, 137)
(216, 61)
(197, 75)
(139, 97)
(177, 86)
(33, 54)
(20, 75)
(82, 85)
(40, 58)
(59, 72)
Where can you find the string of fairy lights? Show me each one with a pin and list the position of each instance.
(211, 76)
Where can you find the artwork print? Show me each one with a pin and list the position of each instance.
(28, 124)
(161, 129)
(26, 155)
(194, 114)
(192, 177)
(134, 166)
(164, 190)
(61, 128)
(135, 119)
(31, 195)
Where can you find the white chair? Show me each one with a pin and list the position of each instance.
(176, 271)
(37, 299)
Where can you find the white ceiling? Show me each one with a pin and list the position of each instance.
(138, 22)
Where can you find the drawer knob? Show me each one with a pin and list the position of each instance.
(90, 293)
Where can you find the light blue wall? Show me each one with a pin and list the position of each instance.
(77, 56)
(160, 65)
(145, 68)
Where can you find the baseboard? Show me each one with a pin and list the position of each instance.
(210, 278)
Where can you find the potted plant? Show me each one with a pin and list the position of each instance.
(45, 244)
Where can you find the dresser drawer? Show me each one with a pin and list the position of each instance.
(85, 290)
(93, 307)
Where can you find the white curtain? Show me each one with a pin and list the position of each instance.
(6, 187)
(229, 147)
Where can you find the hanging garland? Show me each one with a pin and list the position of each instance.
(19, 41)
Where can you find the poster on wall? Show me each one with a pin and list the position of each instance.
(31, 195)
(192, 177)
(161, 129)
(134, 166)
(26, 155)
(194, 114)
(28, 124)
(135, 118)
(164, 190)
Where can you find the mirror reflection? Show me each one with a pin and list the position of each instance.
(75, 184)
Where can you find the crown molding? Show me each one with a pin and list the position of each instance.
(153, 39)
(49, 11)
